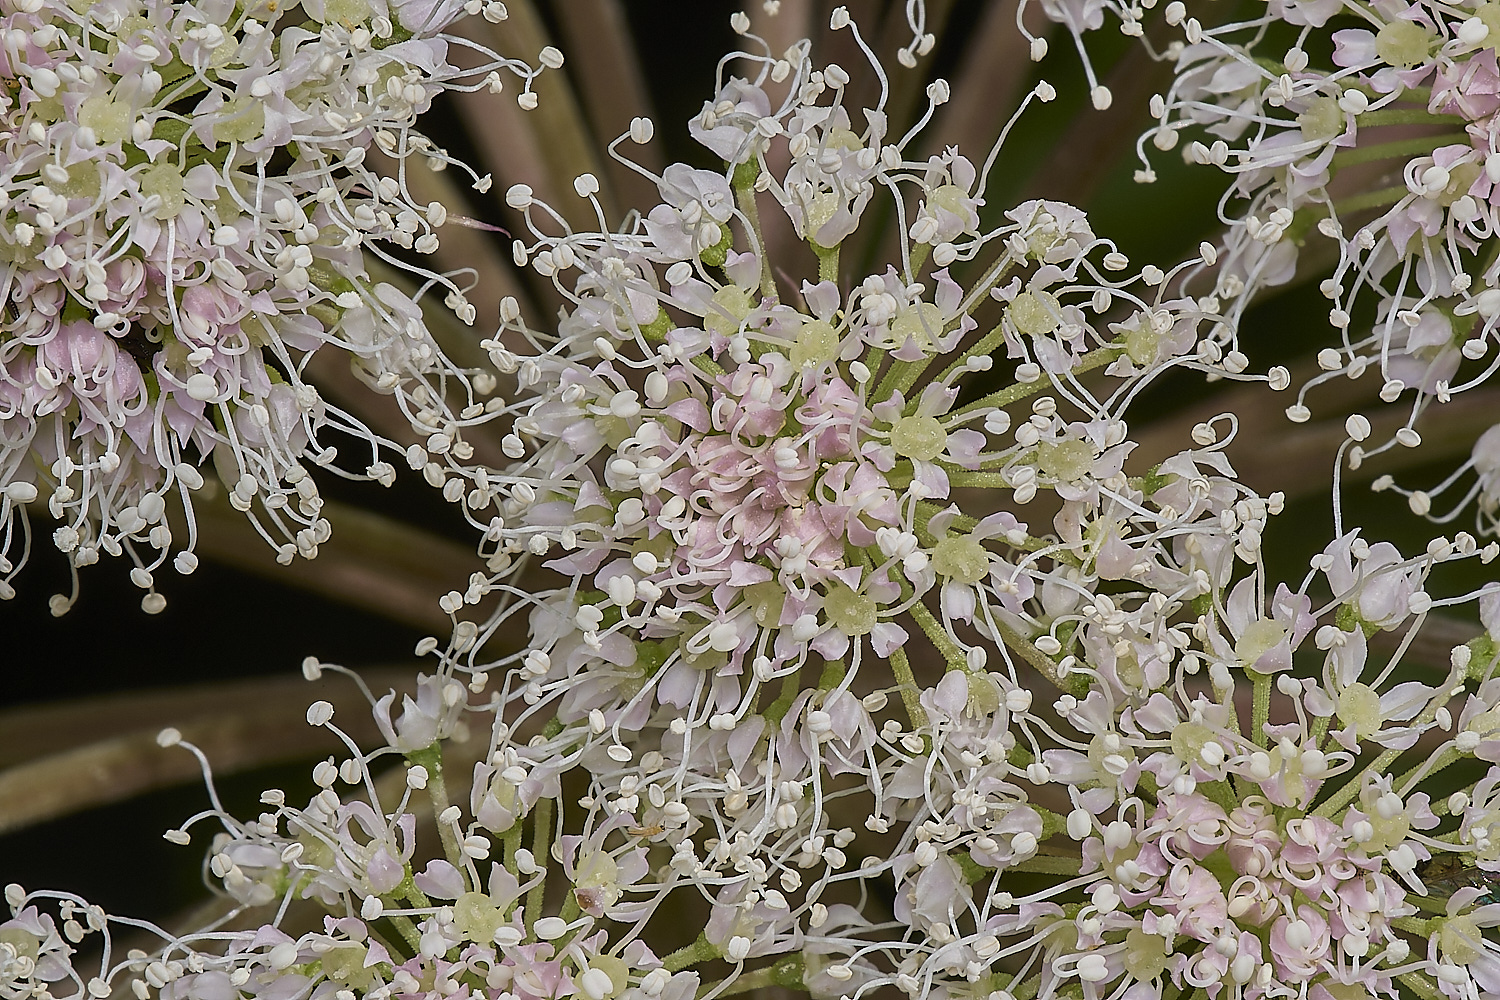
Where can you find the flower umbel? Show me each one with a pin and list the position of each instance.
(841, 629)
(184, 210)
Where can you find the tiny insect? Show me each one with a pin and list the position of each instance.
(645, 832)
(1446, 874)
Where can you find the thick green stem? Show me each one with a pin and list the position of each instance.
(541, 844)
(1027, 989)
(828, 262)
(900, 377)
(510, 842)
(431, 759)
(903, 375)
(918, 258)
(1320, 730)
(1261, 710)
(985, 479)
(1047, 864)
(570, 908)
(926, 509)
(699, 951)
(1401, 147)
(910, 692)
(987, 345)
(408, 891)
(655, 332)
(1406, 116)
(834, 672)
(1371, 199)
(1429, 767)
(707, 365)
(1222, 793)
(791, 684)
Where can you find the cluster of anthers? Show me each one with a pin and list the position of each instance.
(870, 649)
(186, 202)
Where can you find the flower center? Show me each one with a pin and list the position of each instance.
(1035, 313)
(921, 438)
(962, 558)
(1359, 706)
(850, 613)
(1403, 43)
(1067, 461)
(817, 342)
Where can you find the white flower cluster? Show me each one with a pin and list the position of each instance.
(870, 652)
(185, 205)
(1373, 129)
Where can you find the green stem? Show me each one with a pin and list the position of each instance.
(989, 479)
(1429, 767)
(744, 196)
(1436, 905)
(510, 843)
(655, 332)
(408, 891)
(924, 514)
(1351, 788)
(1401, 147)
(1027, 989)
(940, 638)
(707, 365)
(1420, 985)
(1406, 116)
(570, 908)
(407, 930)
(699, 951)
(786, 973)
(900, 377)
(828, 262)
(1220, 792)
(918, 258)
(834, 672)
(1261, 711)
(431, 758)
(1021, 390)
(903, 375)
(991, 341)
(541, 842)
(1043, 663)
(1047, 864)
(1371, 199)
(790, 685)
(1320, 729)
(910, 692)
